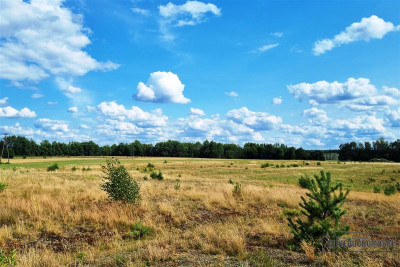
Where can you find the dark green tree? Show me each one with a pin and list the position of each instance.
(322, 210)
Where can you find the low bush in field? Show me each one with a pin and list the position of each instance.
(119, 184)
(159, 176)
(2, 187)
(53, 167)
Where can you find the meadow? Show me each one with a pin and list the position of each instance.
(63, 218)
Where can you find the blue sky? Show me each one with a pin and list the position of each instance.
(304, 73)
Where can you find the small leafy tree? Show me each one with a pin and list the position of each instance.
(323, 212)
(119, 184)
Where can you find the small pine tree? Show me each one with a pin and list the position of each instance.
(323, 212)
(119, 184)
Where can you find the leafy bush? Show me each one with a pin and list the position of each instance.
(73, 169)
(305, 182)
(150, 165)
(2, 187)
(7, 260)
(318, 163)
(145, 178)
(177, 186)
(265, 165)
(390, 190)
(323, 212)
(230, 181)
(291, 212)
(86, 169)
(138, 230)
(377, 189)
(119, 184)
(165, 161)
(53, 167)
(159, 176)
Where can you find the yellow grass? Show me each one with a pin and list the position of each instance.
(63, 218)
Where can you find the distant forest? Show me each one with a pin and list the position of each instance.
(21, 146)
(380, 149)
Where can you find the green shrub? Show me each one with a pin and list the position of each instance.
(179, 175)
(390, 190)
(145, 178)
(322, 210)
(377, 189)
(73, 169)
(291, 212)
(230, 181)
(177, 186)
(165, 161)
(2, 187)
(138, 230)
(159, 176)
(119, 184)
(150, 165)
(265, 165)
(318, 163)
(295, 165)
(305, 182)
(7, 260)
(53, 167)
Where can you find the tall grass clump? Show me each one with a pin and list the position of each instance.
(53, 167)
(119, 184)
(322, 210)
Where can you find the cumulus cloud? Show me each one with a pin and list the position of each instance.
(365, 30)
(73, 110)
(43, 38)
(10, 112)
(326, 92)
(360, 125)
(391, 91)
(277, 34)
(232, 94)
(315, 115)
(254, 120)
(277, 100)
(264, 48)
(84, 126)
(196, 111)
(135, 114)
(394, 117)
(162, 87)
(190, 13)
(49, 125)
(3, 101)
(52, 102)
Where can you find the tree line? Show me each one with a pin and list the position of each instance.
(380, 149)
(21, 146)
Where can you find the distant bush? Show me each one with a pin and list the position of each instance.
(86, 169)
(177, 186)
(159, 176)
(73, 169)
(145, 178)
(265, 165)
(53, 167)
(390, 190)
(150, 165)
(230, 181)
(305, 182)
(165, 161)
(318, 163)
(237, 189)
(119, 184)
(2, 186)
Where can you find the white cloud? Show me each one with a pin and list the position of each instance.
(140, 11)
(73, 110)
(365, 30)
(3, 101)
(43, 38)
(277, 100)
(67, 88)
(254, 120)
(84, 126)
(190, 13)
(265, 48)
(36, 95)
(52, 102)
(48, 125)
(277, 34)
(360, 125)
(135, 114)
(162, 87)
(325, 92)
(391, 91)
(72, 90)
(196, 111)
(232, 94)
(10, 112)
(315, 115)
(394, 117)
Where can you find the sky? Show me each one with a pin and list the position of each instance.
(314, 74)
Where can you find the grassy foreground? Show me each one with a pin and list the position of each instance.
(63, 218)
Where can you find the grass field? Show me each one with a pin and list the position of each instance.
(63, 218)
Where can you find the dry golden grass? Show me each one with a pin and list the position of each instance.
(63, 218)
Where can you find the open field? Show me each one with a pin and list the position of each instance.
(63, 218)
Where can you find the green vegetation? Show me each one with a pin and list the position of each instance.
(53, 167)
(2, 186)
(138, 230)
(119, 184)
(159, 176)
(322, 210)
(7, 259)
